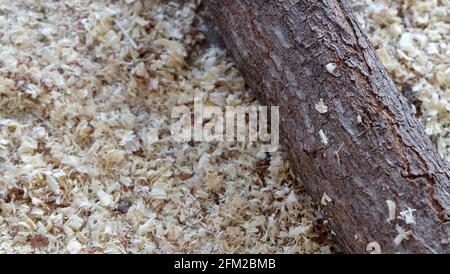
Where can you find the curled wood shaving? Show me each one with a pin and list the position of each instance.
(407, 216)
(402, 235)
(325, 199)
(391, 210)
(374, 248)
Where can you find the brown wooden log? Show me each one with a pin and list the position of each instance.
(376, 151)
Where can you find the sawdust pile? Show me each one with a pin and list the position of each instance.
(87, 161)
(412, 39)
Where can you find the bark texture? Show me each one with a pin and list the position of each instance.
(376, 151)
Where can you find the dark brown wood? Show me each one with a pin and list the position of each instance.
(282, 48)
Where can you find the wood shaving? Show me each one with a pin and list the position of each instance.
(325, 199)
(359, 119)
(336, 154)
(158, 191)
(74, 247)
(331, 67)
(125, 33)
(323, 137)
(75, 222)
(407, 216)
(53, 184)
(321, 107)
(374, 248)
(391, 210)
(402, 235)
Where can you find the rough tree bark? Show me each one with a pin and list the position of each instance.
(376, 150)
